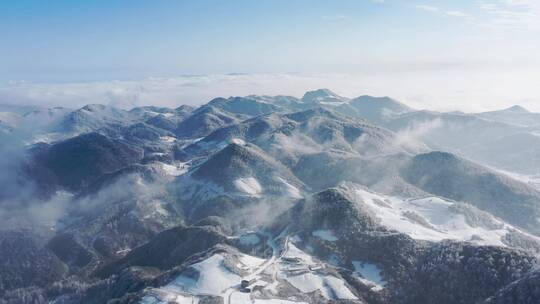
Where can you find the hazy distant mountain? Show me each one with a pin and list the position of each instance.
(519, 152)
(476, 136)
(515, 115)
(449, 176)
(374, 109)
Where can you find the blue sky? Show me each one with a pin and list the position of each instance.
(79, 41)
(66, 40)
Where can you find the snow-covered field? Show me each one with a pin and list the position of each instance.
(432, 219)
(369, 274)
(248, 185)
(213, 278)
(289, 265)
(175, 169)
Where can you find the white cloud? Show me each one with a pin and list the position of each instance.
(436, 87)
(517, 2)
(458, 14)
(443, 12)
(415, 133)
(428, 8)
(513, 14)
(507, 14)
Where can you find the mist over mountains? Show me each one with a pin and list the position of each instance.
(269, 199)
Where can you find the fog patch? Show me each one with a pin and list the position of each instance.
(131, 186)
(296, 144)
(36, 215)
(437, 87)
(261, 213)
(414, 134)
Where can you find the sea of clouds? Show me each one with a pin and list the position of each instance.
(449, 89)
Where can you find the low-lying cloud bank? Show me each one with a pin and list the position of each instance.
(446, 89)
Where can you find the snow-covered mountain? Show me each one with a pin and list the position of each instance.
(479, 136)
(268, 199)
(515, 115)
(322, 96)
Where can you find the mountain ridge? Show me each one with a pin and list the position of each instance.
(269, 199)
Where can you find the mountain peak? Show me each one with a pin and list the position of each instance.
(94, 107)
(322, 95)
(516, 109)
(384, 101)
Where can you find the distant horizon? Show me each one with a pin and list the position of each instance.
(196, 90)
(439, 55)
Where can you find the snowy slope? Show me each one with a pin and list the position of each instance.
(288, 273)
(369, 274)
(436, 219)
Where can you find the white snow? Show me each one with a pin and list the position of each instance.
(164, 297)
(123, 251)
(428, 219)
(214, 278)
(369, 274)
(307, 281)
(244, 298)
(248, 185)
(326, 235)
(290, 190)
(157, 154)
(293, 252)
(152, 113)
(334, 103)
(48, 137)
(239, 297)
(175, 169)
(167, 139)
(238, 141)
(251, 261)
(328, 285)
